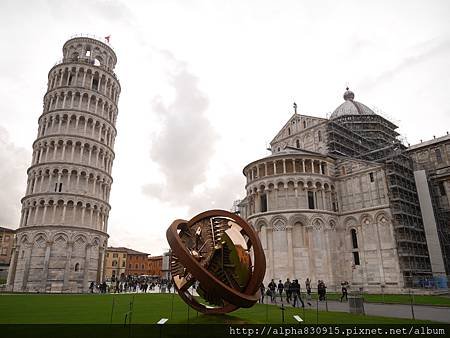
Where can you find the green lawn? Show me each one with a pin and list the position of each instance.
(149, 308)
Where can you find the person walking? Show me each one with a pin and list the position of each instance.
(308, 291)
(272, 287)
(280, 289)
(287, 286)
(344, 290)
(321, 290)
(295, 293)
(262, 289)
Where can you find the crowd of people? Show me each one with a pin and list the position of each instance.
(289, 291)
(131, 284)
(292, 291)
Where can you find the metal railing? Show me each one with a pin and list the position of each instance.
(91, 36)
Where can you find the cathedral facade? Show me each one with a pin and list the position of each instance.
(336, 201)
(62, 236)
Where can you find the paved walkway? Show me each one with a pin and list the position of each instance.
(422, 312)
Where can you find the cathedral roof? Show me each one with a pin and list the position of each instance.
(351, 107)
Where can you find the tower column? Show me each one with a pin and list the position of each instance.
(44, 213)
(291, 266)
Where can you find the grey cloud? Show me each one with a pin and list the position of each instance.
(13, 166)
(185, 144)
(222, 196)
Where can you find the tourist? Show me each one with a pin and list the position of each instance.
(272, 287)
(344, 290)
(308, 291)
(91, 287)
(321, 290)
(295, 293)
(262, 289)
(287, 286)
(280, 289)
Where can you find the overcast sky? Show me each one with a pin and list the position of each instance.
(207, 84)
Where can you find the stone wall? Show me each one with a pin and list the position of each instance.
(67, 260)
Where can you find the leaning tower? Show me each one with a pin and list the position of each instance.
(62, 236)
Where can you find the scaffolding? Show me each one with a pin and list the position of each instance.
(441, 214)
(437, 174)
(373, 138)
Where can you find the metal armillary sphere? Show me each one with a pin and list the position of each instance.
(213, 252)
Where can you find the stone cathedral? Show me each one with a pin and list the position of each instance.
(341, 199)
(62, 235)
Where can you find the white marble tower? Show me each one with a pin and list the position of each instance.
(62, 236)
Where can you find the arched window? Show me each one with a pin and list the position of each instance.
(114, 263)
(355, 247)
(95, 82)
(437, 151)
(297, 143)
(77, 267)
(354, 239)
(311, 204)
(304, 124)
(263, 203)
(319, 135)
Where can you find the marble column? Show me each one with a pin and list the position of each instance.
(26, 269)
(270, 254)
(101, 261)
(48, 247)
(290, 262)
(66, 286)
(12, 269)
(86, 267)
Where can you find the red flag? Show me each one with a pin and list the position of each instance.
(107, 38)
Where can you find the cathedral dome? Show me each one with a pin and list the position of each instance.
(351, 107)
